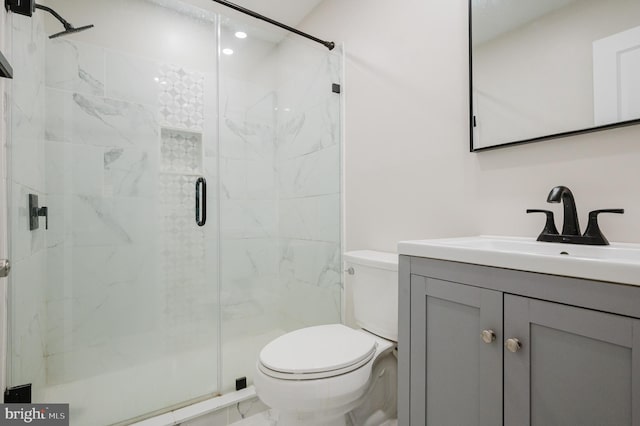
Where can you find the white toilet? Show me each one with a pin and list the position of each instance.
(333, 374)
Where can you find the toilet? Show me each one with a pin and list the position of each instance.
(333, 374)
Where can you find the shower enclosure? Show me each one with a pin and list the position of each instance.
(120, 303)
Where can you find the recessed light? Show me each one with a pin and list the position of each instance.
(241, 34)
(227, 51)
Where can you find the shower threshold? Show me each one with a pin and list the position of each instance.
(200, 409)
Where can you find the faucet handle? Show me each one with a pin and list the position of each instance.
(593, 231)
(549, 226)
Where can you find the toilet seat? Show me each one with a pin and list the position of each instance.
(316, 353)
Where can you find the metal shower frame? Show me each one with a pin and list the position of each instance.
(328, 44)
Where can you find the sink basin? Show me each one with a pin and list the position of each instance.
(618, 262)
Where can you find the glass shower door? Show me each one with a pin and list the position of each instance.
(114, 294)
(280, 182)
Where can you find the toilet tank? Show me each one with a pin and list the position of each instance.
(372, 277)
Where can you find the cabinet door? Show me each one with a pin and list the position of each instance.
(456, 378)
(574, 366)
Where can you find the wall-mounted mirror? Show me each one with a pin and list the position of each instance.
(549, 68)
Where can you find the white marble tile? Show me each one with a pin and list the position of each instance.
(27, 134)
(60, 230)
(131, 78)
(231, 145)
(74, 169)
(114, 221)
(238, 93)
(306, 81)
(310, 218)
(304, 132)
(75, 66)
(308, 305)
(84, 119)
(261, 180)
(261, 140)
(73, 270)
(244, 259)
(218, 418)
(246, 413)
(264, 110)
(27, 104)
(313, 174)
(130, 172)
(241, 346)
(29, 66)
(233, 179)
(233, 219)
(210, 169)
(248, 219)
(210, 124)
(262, 218)
(313, 262)
(29, 322)
(256, 140)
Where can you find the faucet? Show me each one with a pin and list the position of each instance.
(570, 227)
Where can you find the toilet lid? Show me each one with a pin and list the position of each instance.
(315, 352)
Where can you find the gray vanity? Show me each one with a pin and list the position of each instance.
(499, 331)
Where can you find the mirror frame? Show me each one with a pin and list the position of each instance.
(530, 140)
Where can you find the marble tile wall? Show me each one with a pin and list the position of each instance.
(27, 313)
(280, 199)
(248, 208)
(132, 278)
(129, 276)
(309, 182)
(101, 178)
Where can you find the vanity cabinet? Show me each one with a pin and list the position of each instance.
(489, 346)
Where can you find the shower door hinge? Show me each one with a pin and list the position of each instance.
(5, 267)
(335, 88)
(18, 394)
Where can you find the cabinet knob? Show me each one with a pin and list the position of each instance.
(513, 345)
(488, 336)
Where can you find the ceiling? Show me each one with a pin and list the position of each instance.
(289, 12)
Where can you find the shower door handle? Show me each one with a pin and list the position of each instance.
(201, 201)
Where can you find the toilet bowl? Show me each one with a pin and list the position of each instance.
(333, 374)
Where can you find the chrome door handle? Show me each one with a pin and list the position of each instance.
(5, 267)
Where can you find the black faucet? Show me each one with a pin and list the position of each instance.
(571, 227)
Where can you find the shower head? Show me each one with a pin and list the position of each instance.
(68, 28)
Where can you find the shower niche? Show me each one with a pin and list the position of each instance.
(181, 152)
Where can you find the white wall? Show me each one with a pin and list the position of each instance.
(409, 172)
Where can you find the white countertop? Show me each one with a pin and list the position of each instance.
(617, 263)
